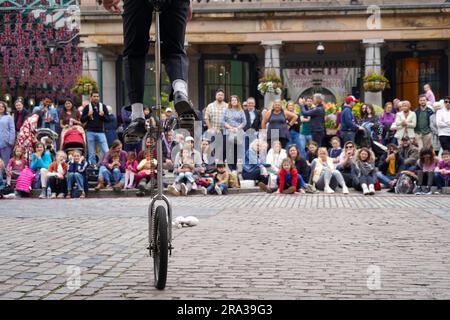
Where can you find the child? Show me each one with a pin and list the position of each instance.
(146, 170)
(288, 178)
(442, 171)
(220, 183)
(57, 176)
(76, 173)
(312, 152)
(15, 165)
(130, 169)
(185, 174)
(40, 161)
(365, 170)
(115, 158)
(336, 150)
(425, 168)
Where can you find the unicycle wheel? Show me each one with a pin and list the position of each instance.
(160, 247)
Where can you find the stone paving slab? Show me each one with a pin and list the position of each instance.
(254, 246)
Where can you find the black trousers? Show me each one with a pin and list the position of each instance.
(318, 137)
(445, 142)
(57, 185)
(137, 19)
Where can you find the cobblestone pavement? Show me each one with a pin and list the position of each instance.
(252, 246)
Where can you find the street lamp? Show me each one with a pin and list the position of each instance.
(52, 53)
(8, 98)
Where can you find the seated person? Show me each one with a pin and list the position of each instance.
(15, 165)
(409, 153)
(184, 168)
(146, 171)
(255, 162)
(324, 175)
(112, 168)
(220, 181)
(76, 172)
(56, 176)
(40, 161)
(390, 166)
(442, 171)
(336, 150)
(346, 164)
(289, 180)
(365, 171)
(426, 166)
(312, 152)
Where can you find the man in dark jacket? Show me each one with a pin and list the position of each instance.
(424, 137)
(390, 166)
(317, 121)
(252, 115)
(348, 123)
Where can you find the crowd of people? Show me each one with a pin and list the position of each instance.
(288, 150)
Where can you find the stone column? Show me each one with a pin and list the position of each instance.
(373, 65)
(109, 82)
(272, 62)
(90, 66)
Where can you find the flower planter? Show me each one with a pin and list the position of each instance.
(374, 86)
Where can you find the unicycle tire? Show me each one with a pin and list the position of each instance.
(161, 247)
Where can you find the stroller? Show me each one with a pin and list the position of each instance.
(364, 138)
(48, 137)
(74, 140)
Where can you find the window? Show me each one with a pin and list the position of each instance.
(230, 75)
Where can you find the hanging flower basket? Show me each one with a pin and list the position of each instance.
(270, 83)
(84, 86)
(376, 83)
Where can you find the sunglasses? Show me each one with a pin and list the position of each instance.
(349, 147)
(447, 101)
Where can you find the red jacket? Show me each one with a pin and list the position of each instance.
(294, 178)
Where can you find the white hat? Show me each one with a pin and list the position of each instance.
(188, 138)
(168, 110)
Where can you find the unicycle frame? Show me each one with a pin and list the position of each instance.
(159, 196)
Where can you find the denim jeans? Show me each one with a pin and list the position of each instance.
(110, 177)
(347, 136)
(384, 179)
(93, 138)
(294, 138)
(304, 140)
(75, 177)
(211, 187)
(188, 175)
(440, 181)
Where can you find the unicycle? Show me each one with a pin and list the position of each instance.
(160, 216)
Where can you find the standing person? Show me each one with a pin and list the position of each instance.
(137, 19)
(423, 133)
(324, 175)
(213, 117)
(294, 130)
(317, 115)
(443, 124)
(305, 129)
(252, 115)
(278, 119)
(429, 95)
(95, 115)
(69, 118)
(26, 138)
(234, 122)
(365, 170)
(349, 127)
(434, 129)
(111, 127)
(49, 117)
(19, 114)
(405, 121)
(386, 122)
(7, 133)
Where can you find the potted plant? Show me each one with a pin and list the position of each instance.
(270, 83)
(84, 86)
(375, 83)
(331, 112)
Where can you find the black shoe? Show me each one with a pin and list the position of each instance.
(135, 131)
(182, 104)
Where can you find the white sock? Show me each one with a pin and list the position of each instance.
(137, 111)
(180, 85)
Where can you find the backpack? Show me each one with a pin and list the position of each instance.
(25, 180)
(406, 183)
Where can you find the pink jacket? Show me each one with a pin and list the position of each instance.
(133, 166)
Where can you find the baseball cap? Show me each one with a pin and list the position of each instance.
(351, 99)
(168, 110)
(188, 138)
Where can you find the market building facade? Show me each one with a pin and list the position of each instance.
(315, 46)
